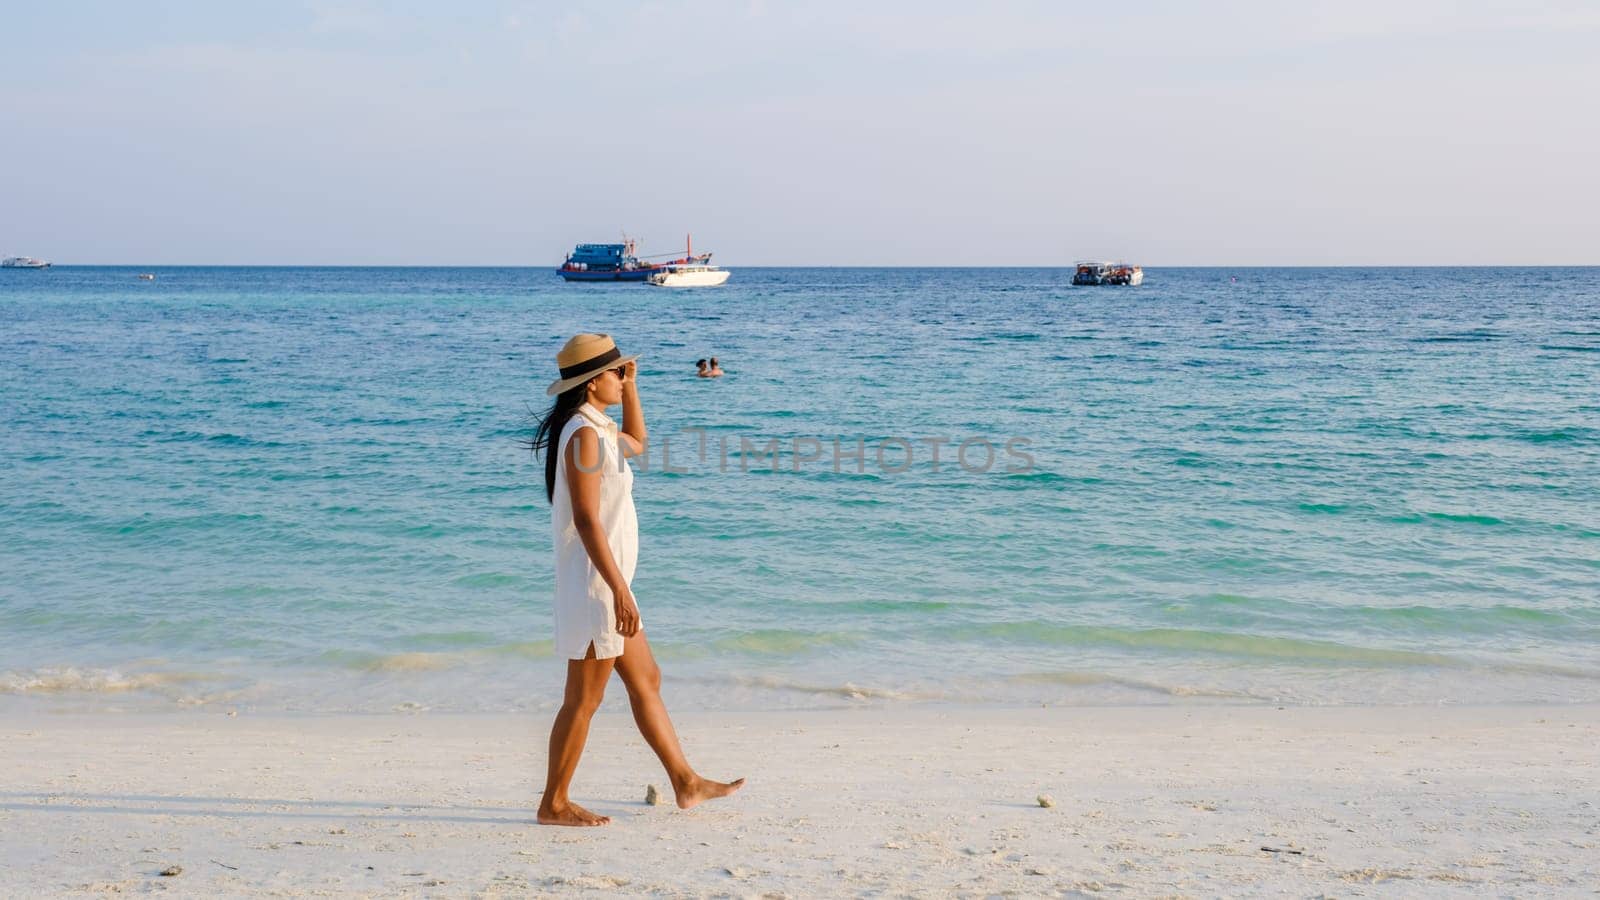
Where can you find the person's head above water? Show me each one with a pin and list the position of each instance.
(699, 364)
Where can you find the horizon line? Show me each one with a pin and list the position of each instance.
(1501, 265)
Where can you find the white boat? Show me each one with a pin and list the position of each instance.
(23, 262)
(688, 275)
(690, 271)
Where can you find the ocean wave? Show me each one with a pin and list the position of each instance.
(1541, 436)
(1327, 508)
(1443, 619)
(495, 580)
(413, 662)
(1028, 478)
(200, 522)
(226, 439)
(1552, 669)
(847, 690)
(1465, 518)
(1219, 643)
(1079, 678)
(438, 660)
(1462, 337)
(72, 680)
(897, 606)
(1575, 433)
(783, 641)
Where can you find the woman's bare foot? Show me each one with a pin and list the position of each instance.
(700, 790)
(571, 814)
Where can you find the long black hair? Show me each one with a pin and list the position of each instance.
(547, 438)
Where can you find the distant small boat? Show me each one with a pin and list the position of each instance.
(147, 276)
(1092, 273)
(690, 271)
(24, 262)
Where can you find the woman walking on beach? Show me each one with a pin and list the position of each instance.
(598, 628)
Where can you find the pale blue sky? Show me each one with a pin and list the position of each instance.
(821, 133)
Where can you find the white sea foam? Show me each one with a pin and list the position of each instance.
(96, 681)
(1093, 679)
(847, 690)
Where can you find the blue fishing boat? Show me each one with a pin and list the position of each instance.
(605, 262)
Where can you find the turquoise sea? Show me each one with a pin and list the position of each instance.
(301, 489)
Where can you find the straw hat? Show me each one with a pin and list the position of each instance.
(584, 357)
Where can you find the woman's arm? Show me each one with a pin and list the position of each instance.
(633, 434)
(583, 482)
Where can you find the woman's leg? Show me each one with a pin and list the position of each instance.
(586, 686)
(642, 677)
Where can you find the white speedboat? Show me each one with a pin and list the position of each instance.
(690, 271)
(23, 262)
(688, 275)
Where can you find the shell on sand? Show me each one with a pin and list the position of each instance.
(652, 796)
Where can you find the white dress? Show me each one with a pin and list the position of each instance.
(585, 608)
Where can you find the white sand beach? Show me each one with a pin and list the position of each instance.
(1160, 801)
